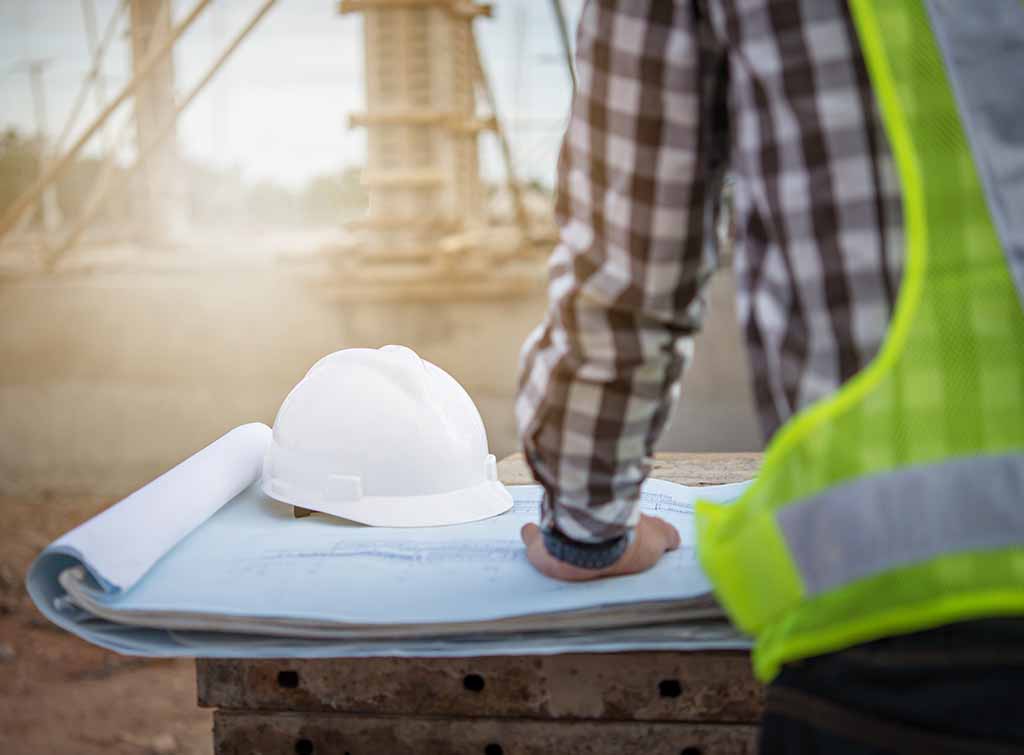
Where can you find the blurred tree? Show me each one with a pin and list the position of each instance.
(217, 196)
(19, 166)
(268, 203)
(334, 197)
(76, 186)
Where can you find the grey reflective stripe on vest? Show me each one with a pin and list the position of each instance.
(878, 523)
(982, 46)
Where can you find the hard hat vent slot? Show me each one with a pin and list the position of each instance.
(343, 488)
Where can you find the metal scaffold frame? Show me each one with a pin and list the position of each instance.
(157, 52)
(425, 88)
(428, 100)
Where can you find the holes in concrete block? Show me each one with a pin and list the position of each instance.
(473, 682)
(493, 749)
(304, 747)
(670, 688)
(691, 751)
(288, 679)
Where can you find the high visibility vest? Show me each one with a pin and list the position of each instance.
(897, 503)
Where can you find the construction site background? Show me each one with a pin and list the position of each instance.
(160, 328)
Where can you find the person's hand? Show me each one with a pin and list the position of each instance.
(652, 539)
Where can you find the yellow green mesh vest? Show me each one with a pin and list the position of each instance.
(897, 504)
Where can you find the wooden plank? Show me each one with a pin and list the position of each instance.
(461, 123)
(709, 686)
(425, 117)
(360, 6)
(464, 9)
(684, 468)
(402, 179)
(239, 733)
(434, 222)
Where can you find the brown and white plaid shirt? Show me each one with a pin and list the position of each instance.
(670, 95)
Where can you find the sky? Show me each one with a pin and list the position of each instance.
(278, 110)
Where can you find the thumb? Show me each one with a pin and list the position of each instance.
(664, 533)
(529, 533)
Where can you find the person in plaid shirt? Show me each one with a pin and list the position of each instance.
(670, 95)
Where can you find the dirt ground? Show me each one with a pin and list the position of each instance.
(62, 696)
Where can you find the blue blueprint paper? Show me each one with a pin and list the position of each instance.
(254, 559)
(203, 541)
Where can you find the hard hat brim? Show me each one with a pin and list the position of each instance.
(483, 501)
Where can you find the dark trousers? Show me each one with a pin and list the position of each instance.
(954, 690)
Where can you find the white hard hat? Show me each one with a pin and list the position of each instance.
(382, 437)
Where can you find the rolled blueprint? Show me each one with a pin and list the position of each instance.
(121, 544)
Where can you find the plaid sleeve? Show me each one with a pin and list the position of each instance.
(598, 376)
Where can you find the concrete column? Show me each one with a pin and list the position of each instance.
(51, 208)
(422, 171)
(161, 209)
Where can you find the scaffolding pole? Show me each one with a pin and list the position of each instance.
(166, 128)
(94, 77)
(159, 198)
(563, 35)
(514, 189)
(51, 207)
